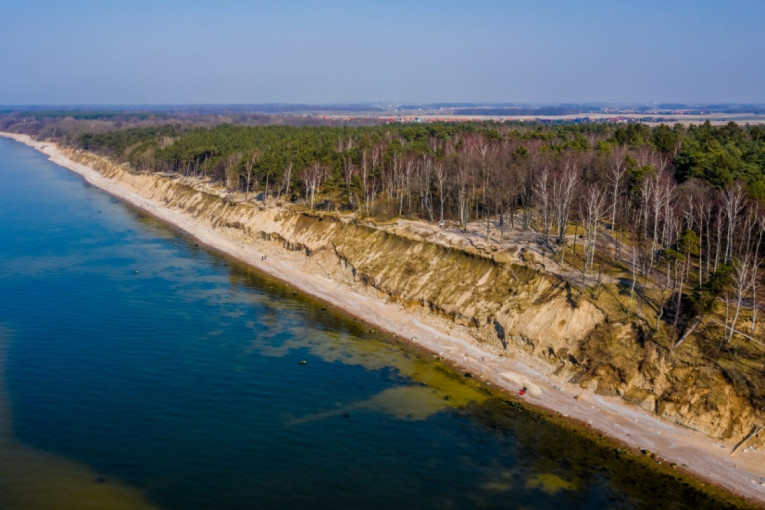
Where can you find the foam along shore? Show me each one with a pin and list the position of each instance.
(742, 472)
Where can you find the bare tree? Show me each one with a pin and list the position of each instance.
(705, 224)
(284, 187)
(756, 265)
(439, 170)
(313, 175)
(405, 184)
(508, 190)
(349, 170)
(718, 236)
(634, 259)
(741, 282)
(252, 159)
(564, 185)
(425, 177)
(617, 178)
(733, 199)
(591, 210)
(657, 196)
(368, 168)
(486, 161)
(464, 180)
(364, 171)
(525, 189)
(542, 193)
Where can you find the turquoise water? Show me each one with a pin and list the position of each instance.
(135, 357)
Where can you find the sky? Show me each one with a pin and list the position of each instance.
(70, 52)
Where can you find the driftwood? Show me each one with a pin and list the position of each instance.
(688, 332)
(737, 332)
(755, 430)
(698, 321)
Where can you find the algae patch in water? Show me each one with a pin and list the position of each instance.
(549, 483)
(431, 386)
(504, 482)
(436, 389)
(409, 402)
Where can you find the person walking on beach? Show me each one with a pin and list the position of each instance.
(522, 391)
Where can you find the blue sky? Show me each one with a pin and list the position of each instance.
(341, 51)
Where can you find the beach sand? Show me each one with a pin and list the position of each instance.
(742, 473)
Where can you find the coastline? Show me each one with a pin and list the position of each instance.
(706, 458)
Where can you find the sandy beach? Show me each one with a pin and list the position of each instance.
(742, 472)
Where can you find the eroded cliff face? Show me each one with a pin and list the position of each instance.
(616, 359)
(507, 302)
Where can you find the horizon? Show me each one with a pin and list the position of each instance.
(334, 52)
(431, 104)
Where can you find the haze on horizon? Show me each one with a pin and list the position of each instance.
(342, 51)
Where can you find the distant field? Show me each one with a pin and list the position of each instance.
(653, 119)
(373, 113)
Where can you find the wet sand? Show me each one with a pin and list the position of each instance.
(709, 459)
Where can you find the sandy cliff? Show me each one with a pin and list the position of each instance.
(507, 302)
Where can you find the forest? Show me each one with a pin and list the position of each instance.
(677, 209)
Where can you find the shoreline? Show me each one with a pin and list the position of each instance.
(698, 454)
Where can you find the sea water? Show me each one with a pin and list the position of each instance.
(143, 369)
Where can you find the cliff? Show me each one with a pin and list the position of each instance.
(507, 301)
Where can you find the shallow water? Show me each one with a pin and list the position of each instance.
(142, 370)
